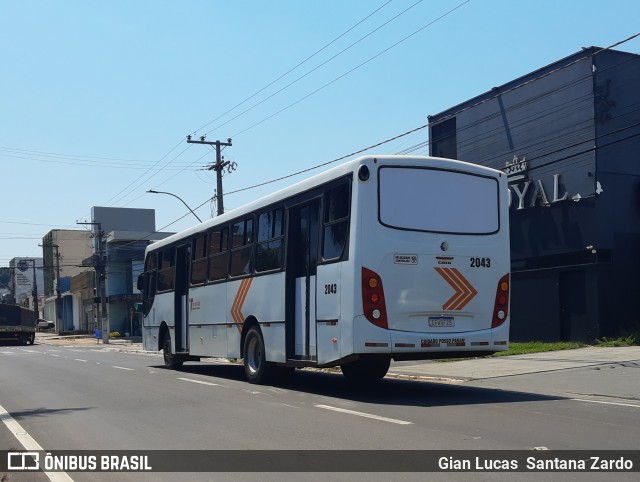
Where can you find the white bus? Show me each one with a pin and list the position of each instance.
(380, 258)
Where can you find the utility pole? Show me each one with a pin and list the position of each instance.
(35, 291)
(218, 166)
(58, 309)
(101, 275)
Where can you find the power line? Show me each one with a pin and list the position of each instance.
(123, 193)
(351, 154)
(129, 188)
(294, 67)
(362, 64)
(317, 67)
(415, 130)
(395, 137)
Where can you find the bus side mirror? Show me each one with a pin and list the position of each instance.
(141, 282)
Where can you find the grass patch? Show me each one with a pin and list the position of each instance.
(521, 348)
(630, 340)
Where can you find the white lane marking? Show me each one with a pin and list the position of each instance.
(366, 415)
(7, 352)
(252, 392)
(199, 381)
(606, 403)
(53, 354)
(123, 368)
(29, 443)
(30, 351)
(80, 359)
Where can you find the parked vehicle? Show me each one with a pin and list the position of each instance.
(45, 325)
(17, 324)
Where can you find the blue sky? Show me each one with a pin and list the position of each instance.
(96, 98)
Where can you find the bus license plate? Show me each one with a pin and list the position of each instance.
(439, 321)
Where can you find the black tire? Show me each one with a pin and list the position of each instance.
(171, 360)
(366, 369)
(256, 367)
(32, 338)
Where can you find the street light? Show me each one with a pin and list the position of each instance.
(177, 197)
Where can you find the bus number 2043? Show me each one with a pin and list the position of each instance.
(330, 289)
(481, 262)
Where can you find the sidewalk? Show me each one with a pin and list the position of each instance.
(450, 371)
(504, 366)
(44, 338)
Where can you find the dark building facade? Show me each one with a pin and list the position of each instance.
(568, 137)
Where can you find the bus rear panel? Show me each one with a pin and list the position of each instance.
(432, 257)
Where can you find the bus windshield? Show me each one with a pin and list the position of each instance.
(435, 200)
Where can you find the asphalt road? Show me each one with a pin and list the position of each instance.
(92, 398)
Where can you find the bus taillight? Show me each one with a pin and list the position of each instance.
(501, 306)
(373, 303)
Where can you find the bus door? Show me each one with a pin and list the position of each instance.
(302, 259)
(180, 301)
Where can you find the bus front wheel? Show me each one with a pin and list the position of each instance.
(256, 367)
(366, 369)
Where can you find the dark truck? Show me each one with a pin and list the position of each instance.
(17, 324)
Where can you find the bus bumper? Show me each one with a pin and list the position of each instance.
(368, 338)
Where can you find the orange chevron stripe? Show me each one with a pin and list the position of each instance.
(464, 292)
(471, 292)
(236, 312)
(445, 273)
(238, 302)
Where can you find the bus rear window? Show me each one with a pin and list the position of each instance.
(434, 200)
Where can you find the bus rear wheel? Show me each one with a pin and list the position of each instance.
(256, 367)
(171, 360)
(366, 369)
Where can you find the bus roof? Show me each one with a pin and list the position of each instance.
(318, 179)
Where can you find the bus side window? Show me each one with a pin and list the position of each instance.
(166, 273)
(200, 263)
(336, 221)
(218, 254)
(269, 250)
(242, 250)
